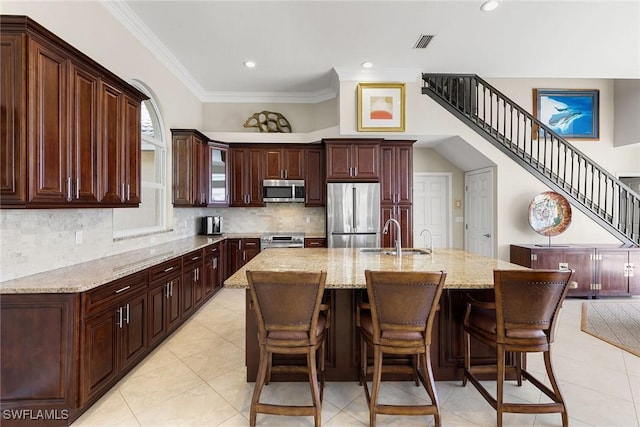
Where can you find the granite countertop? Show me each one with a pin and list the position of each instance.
(88, 275)
(345, 267)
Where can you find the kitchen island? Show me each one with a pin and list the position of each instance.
(467, 273)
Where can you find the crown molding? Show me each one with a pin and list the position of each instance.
(128, 18)
(272, 97)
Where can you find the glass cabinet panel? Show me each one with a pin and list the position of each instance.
(219, 190)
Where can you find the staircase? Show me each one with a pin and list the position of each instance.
(541, 151)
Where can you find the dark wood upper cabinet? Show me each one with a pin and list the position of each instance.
(84, 153)
(190, 167)
(13, 102)
(246, 176)
(353, 160)
(283, 163)
(396, 172)
(314, 177)
(48, 125)
(70, 128)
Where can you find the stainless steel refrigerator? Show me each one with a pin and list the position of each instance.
(353, 215)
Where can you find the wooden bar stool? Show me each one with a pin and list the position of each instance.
(521, 320)
(399, 319)
(291, 319)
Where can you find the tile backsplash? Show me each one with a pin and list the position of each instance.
(37, 240)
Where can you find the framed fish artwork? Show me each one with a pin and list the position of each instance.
(381, 107)
(571, 113)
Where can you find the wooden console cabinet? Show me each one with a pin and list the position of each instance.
(600, 270)
(71, 128)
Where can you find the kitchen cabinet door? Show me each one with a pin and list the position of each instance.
(84, 145)
(13, 124)
(134, 331)
(174, 303)
(48, 141)
(217, 174)
(240, 252)
(283, 163)
(396, 172)
(189, 285)
(314, 181)
(131, 146)
(212, 270)
(100, 352)
(404, 215)
(112, 160)
(192, 282)
(158, 296)
(351, 160)
(190, 168)
(246, 177)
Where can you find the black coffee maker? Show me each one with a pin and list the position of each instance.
(211, 225)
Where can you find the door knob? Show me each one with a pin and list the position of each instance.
(487, 235)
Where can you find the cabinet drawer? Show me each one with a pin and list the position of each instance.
(212, 249)
(114, 292)
(191, 258)
(165, 269)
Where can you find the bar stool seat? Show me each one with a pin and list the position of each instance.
(521, 320)
(397, 321)
(291, 319)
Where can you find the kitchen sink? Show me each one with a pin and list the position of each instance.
(404, 251)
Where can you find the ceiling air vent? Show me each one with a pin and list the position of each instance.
(423, 41)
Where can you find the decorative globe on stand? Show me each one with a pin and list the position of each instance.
(549, 214)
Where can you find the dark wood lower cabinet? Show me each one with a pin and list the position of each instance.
(343, 350)
(59, 353)
(113, 336)
(38, 356)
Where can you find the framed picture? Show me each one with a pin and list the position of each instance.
(568, 112)
(381, 107)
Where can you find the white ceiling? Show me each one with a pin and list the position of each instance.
(298, 44)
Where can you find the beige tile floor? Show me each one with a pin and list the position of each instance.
(197, 378)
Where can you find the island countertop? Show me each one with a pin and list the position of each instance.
(345, 267)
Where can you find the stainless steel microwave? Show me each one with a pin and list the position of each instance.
(283, 190)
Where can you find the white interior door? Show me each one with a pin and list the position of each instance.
(479, 212)
(432, 209)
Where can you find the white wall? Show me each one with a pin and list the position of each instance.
(627, 106)
(304, 118)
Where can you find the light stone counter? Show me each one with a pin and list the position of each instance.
(91, 274)
(345, 267)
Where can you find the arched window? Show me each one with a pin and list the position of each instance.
(150, 215)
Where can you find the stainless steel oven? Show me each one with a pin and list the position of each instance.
(282, 240)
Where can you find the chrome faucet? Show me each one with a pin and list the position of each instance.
(430, 246)
(385, 230)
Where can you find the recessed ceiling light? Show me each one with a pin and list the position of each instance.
(249, 64)
(490, 5)
(366, 64)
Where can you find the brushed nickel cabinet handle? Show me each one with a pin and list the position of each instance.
(122, 289)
